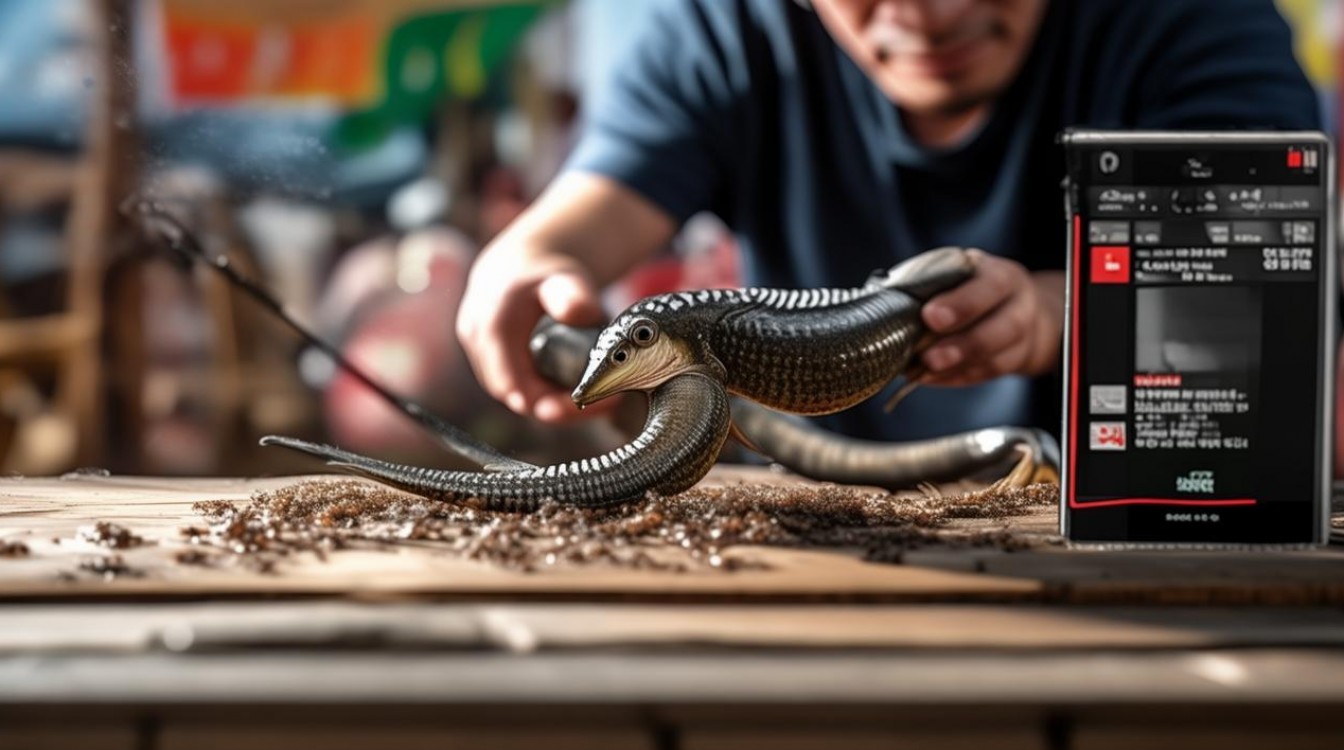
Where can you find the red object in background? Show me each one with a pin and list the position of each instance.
(707, 259)
(1110, 264)
(408, 344)
(654, 277)
(221, 62)
(210, 62)
(408, 347)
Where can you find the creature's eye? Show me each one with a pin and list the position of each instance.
(620, 356)
(644, 333)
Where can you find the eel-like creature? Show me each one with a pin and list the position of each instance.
(687, 425)
(803, 351)
(1014, 455)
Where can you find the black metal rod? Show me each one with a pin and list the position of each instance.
(159, 224)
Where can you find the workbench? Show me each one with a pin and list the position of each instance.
(1042, 647)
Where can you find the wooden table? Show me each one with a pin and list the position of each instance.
(412, 648)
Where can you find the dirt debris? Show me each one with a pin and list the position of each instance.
(110, 567)
(701, 529)
(192, 557)
(110, 535)
(13, 550)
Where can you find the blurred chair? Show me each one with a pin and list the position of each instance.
(62, 426)
(48, 429)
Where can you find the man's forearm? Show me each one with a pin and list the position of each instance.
(604, 226)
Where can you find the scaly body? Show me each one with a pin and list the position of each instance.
(813, 351)
(804, 351)
(687, 424)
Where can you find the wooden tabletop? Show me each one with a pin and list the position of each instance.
(808, 649)
(47, 514)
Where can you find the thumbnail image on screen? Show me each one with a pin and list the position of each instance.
(1192, 330)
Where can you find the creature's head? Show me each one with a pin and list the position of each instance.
(639, 351)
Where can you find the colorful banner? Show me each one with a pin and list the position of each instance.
(219, 63)
(436, 57)
(388, 70)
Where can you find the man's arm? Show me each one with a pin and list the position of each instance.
(582, 233)
(653, 150)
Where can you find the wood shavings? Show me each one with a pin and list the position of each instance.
(110, 567)
(13, 550)
(696, 530)
(110, 535)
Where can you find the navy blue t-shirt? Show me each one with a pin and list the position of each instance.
(748, 109)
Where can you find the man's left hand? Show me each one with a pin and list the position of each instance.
(1005, 320)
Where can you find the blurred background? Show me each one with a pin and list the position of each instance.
(353, 156)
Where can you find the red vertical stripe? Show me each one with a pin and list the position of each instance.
(1074, 357)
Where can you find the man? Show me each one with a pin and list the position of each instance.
(840, 136)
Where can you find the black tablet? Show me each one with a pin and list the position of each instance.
(1199, 338)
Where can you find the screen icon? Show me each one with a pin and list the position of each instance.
(1107, 436)
(1107, 399)
(1110, 264)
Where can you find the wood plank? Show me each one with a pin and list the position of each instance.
(1270, 577)
(232, 626)
(64, 735)
(339, 735)
(957, 628)
(1220, 736)
(1243, 681)
(914, 738)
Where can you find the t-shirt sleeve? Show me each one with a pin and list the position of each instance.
(664, 123)
(1224, 64)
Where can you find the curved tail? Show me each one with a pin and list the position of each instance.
(414, 479)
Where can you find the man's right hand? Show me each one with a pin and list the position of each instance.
(583, 232)
(506, 295)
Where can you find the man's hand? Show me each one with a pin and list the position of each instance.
(1004, 321)
(582, 233)
(506, 295)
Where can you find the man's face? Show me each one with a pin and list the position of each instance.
(935, 56)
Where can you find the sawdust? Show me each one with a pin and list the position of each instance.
(110, 535)
(696, 530)
(13, 550)
(110, 567)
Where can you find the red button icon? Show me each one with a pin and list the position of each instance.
(1110, 264)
